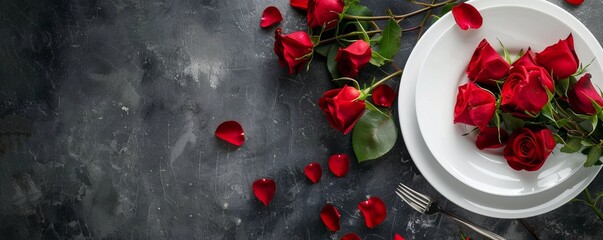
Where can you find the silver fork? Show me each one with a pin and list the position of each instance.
(427, 205)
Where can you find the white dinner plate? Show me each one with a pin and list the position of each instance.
(488, 204)
(443, 71)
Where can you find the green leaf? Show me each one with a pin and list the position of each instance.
(377, 59)
(593, 157)
(331, 63)
(572, 145)
(323, 50)
(375, 39)
(547, 111)
(562, 86)
(446, 8)
(558, 139)
(389, 45)
(512, 123)
(507, 55)
(374, 135)
(359, 10)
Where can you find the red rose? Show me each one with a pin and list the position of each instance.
(524, 92)
(324, 13)
(342, 107)
(474, 105)
(486, 65)
(527, 59)
(582, 95)
(491, 137)
(353, 58)
(293, 49)
(528, 148)
(560, 58)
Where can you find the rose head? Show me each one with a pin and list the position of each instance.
(353, 58)
(474, 105)
(486, 65)
(293, 49)
(524, 93)
(582, 95)
(324, 13)
(560, 59)
(491, 137)
(528, 148)
(527, 59)
(342, 107)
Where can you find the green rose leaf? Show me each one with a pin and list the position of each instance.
(374, 135)
(389, 45)
(572, 145)
(331, 63)
(378, 60)
(359, 10)
(594, 154)
(512, 123)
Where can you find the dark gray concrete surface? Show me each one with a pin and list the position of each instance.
(107, 114)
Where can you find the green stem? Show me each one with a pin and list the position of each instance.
(395, 74)
(351, 34)
(399, 17)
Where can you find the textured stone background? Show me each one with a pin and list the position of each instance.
(107, 113)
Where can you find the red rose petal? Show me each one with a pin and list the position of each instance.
(374, 211)
(313, 171)
(575, 2)
(384, 95)
(351, 236)
(466, 16)
(232, 132)
(488, 138)
(398, 237)
(330, 217)
(339, 164)
(301, 4)
(264, 190)
(270, 16)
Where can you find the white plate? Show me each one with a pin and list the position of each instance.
(444, 70)
(474, 200)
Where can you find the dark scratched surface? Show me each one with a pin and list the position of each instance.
(107, 114)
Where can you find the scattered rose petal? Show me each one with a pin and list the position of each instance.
(264, 190)
(575, 2)
(384, 95)
(374, 211)
(330, 217)
(232, 132)
(466, 16)
(351, 236)
(398, 237)
(488, 138)
(339, 164)
(313, 171)
(301, 4)
(270, 16)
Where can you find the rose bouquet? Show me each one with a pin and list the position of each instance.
(531, 104)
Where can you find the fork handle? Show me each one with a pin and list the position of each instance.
(484, 232)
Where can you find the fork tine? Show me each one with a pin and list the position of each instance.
(412, 195)
(426, 198)
(412, 204)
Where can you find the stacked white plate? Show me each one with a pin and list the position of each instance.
(481, 181)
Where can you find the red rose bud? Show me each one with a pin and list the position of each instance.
(384, 95)
(292, 49)
(330, 217)
(342, 107)
(353, 58)
(524, 93)
(324, 13)
(373, 210)
(300, 4)
(529, 147)
(560, 59)
(526, 60)
(486, 65)
(270, 16)
(582, 95)
(474, 105)
(466, 16)
(490, 138)
(575, 2)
